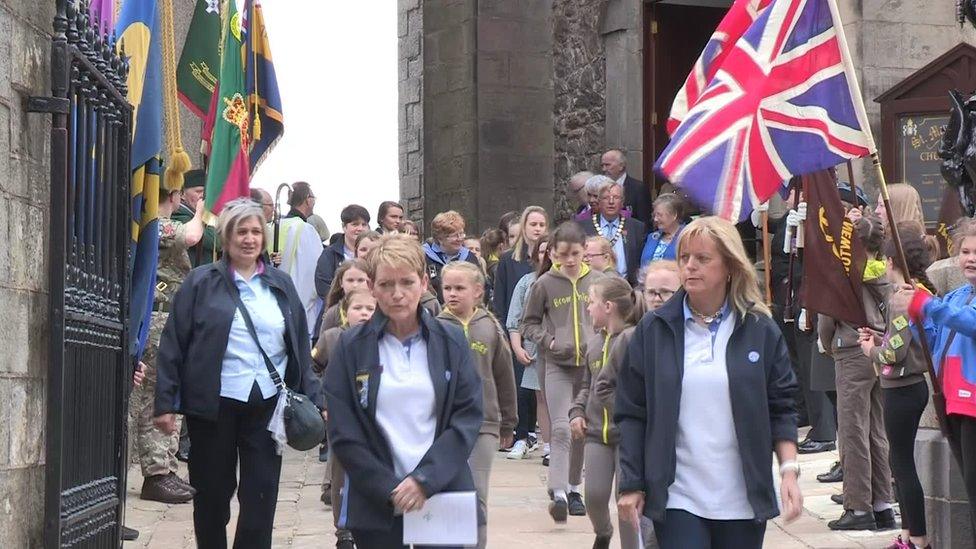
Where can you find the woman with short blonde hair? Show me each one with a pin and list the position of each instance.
(404, 401)
(713, 417)
(447, 245)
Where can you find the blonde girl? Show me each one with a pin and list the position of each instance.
(463, 286)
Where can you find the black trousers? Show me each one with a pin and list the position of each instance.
(683, 530)
(963, 429)
(241, 430)
(526, 404)
(903, 407)
(386, 539)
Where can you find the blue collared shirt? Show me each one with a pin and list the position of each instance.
(243, 364)
(609, 229)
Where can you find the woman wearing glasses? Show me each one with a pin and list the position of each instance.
(446, 245)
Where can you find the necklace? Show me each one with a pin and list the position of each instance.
(620, 229)
(707, 319)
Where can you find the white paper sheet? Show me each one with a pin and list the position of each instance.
(449, 518)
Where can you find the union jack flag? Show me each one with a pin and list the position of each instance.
(739, 17)
(783, 102)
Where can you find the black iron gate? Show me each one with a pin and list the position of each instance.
(88, 371)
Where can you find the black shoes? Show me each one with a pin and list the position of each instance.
(884, 520)
(167, 488)
(601, 542)
(576, 506)
(815, 446)
(851, 521)
(558, 510)
(326, 495)
(131, 534)
(323, 453)
(835, 474)
(837, 498)
(344, 540)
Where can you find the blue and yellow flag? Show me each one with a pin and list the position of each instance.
(139, 38)
(262, 87)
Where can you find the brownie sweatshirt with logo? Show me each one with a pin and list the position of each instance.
(555, 314)
(489, 347)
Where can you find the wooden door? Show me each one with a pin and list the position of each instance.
(674, 38)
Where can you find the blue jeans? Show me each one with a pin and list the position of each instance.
(683, 530)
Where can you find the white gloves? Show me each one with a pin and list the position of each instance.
(794, 224)
(757, 214)
(797, 216)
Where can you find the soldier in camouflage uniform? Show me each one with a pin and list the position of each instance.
(207, 249)
(156, 450)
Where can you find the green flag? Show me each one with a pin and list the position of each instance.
(228, 175)
(196, 75)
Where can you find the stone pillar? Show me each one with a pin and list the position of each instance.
(410, 107)
(623, 40)
(485, 123)
(25, 52)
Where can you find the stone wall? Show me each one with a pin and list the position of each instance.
(410, 106)
(25, 34)
(888, 42)
(579, 79)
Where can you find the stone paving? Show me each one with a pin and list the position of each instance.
(517, 512)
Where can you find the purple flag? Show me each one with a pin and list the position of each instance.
(103, 14)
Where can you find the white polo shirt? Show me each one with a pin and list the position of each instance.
(708, 477)
(405, 402)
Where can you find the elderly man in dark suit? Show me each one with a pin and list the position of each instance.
(626, 235)
(637, 196)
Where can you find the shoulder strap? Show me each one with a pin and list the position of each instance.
(236, 296)
(945, 350)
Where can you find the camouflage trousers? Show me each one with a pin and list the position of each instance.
(156, 451)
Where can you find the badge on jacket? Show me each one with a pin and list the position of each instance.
(362, 388)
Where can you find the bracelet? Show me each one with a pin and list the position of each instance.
(790, 465)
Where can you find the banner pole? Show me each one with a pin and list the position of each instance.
(788, 310)
(767, 258)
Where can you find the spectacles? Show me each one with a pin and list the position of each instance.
(457, 236)
(663, 295)
(588, 257)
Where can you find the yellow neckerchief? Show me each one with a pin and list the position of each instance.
(584, 270)
(343, 321)
(874, 268)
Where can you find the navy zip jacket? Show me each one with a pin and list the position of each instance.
(192, 346)
(351, 385)
(761, 384)
(507, 274)
(332, 256)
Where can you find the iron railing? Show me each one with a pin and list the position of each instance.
(89, 371)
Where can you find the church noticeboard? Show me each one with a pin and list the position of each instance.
(918, 158)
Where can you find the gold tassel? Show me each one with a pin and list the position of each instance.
(179, 164)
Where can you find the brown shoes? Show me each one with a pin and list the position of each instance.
(167, 488)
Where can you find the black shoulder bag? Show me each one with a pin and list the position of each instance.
(304, 425)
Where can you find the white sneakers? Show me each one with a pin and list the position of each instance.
(519, 450)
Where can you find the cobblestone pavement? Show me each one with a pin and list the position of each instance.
(517, 513)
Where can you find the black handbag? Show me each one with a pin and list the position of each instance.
(304, 425)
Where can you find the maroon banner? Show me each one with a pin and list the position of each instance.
(833, 257)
